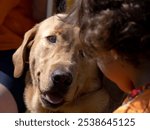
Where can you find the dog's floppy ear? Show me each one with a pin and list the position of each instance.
(20, 56)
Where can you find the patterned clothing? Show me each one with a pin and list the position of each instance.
(138, 101)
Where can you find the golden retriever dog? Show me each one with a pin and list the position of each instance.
(60, 77)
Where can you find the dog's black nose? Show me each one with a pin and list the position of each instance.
(61, 78)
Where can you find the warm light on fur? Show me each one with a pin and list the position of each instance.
(87, 93)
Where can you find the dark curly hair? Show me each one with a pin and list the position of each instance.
(122, 25)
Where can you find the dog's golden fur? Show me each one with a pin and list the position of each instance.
(86, 92)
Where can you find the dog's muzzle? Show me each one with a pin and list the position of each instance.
(55, 96)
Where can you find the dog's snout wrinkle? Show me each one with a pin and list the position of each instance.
(61, 78)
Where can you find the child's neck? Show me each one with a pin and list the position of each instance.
(143, 76)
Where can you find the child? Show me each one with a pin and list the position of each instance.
(117, 34)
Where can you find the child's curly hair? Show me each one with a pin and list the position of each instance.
(122, 25)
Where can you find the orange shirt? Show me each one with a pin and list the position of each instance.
(138, 104)
(15, 20)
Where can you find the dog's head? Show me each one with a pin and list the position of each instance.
(60, 71)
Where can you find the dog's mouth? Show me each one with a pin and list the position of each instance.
(52, 100)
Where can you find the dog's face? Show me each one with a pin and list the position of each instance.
(59, 69)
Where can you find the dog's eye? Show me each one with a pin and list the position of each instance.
(52, 38)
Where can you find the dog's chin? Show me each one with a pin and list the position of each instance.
(52, 101)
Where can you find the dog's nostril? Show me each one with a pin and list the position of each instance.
(61, 78)
(57, 78)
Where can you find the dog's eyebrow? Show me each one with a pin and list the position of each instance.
(58, 30)
(67, 34)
